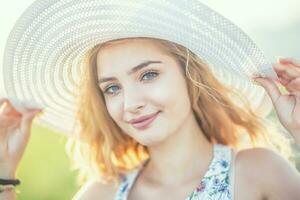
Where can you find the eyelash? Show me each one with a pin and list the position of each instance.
(145, 73)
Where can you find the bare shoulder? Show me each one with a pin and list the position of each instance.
(272, 176)
(95, 190)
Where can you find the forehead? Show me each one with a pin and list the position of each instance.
(128, 53)
(131, 46)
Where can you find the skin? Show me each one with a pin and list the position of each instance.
(137, 95)
(260, 173)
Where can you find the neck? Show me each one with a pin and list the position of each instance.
(181, 157)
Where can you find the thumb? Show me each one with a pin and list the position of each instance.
(270, 86)
(27, 121)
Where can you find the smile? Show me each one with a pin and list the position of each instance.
(145, 123)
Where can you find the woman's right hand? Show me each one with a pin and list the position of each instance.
(15, 126)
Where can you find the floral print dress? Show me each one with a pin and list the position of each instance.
(215, 184)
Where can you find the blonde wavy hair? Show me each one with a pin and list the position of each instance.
(103, 151)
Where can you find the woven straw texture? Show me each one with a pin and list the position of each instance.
(44, 52)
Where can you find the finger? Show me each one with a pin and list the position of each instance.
(287, 71)
(293, 61)
(10, 109)
(294, 85)
(283, 81)
(271, 88)
(2, 104)
(7, 124)
(281, 74)
(295, 93)
(2, 101)
(17, 108)
(27, 122)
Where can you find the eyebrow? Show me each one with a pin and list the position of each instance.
(133, 70)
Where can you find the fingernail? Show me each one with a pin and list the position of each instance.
(39, 113)
(40, 110)
(255, 81)
(35, 110)
(254, 77)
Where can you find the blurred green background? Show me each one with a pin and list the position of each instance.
(45, 170)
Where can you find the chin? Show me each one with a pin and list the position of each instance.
(154, 141)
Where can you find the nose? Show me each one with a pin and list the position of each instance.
(133, 100)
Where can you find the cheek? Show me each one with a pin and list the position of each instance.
(172, 95)
(114, 109)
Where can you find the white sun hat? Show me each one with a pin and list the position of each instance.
(44, 52)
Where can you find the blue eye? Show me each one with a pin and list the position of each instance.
(150, 74)
(106, 90)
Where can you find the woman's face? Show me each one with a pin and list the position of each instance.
(157, 86)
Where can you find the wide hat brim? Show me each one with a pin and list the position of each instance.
(44, 52)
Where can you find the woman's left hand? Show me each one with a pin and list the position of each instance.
(287, 106)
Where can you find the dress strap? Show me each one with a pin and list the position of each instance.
(127, 182)
(232, 171)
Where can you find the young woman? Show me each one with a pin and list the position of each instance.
(156, 123)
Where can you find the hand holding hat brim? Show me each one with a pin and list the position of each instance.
(287, 106)
(15, 126)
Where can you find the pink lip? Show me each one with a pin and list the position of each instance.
(141, 124)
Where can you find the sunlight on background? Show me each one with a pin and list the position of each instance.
(44, 171)
(274, 25)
